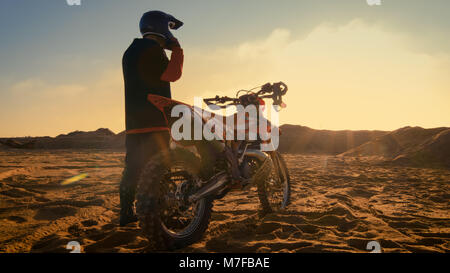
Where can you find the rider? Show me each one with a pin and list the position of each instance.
(147, 70)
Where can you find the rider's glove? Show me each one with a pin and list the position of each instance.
(172, 43)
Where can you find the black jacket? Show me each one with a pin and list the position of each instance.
(143, 64)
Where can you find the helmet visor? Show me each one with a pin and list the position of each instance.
(174, 23)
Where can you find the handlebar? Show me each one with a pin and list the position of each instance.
(274, 91)
(220, 100)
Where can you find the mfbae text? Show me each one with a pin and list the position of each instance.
(235, 262)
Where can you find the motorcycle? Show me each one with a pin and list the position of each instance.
(177, 187)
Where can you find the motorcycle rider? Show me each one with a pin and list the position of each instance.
(147, 70)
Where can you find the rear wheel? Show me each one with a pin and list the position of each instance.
(166, 217)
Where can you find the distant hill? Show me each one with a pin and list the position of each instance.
(304, 140)
(101, 132)
(100, 139)
(294, 139)
(409, 145)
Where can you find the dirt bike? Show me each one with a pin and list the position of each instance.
(174, 198)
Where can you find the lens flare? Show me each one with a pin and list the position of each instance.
(74, 179)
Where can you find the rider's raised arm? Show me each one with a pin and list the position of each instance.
(175, 67)
(145, 61)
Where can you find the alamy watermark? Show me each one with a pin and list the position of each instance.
(73, 2)
(374, 246)
(74, 246)
(78, 2)
(373, 2)
(230, 123)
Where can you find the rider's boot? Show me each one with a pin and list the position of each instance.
(127, 214)
(211, 158)
(238, 181)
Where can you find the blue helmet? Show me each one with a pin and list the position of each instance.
(158, 23)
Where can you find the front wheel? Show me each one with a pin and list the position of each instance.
(274, 191)
(166, 217)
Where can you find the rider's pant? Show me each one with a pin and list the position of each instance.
(140, 148)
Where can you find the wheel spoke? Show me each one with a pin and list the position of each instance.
(176, 216)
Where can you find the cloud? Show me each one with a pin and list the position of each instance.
(45, 89)
(277, 40)
(352, 76)
(35, 106)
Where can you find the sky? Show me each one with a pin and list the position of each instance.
(348, 65)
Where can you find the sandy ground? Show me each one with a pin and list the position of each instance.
(338, 205)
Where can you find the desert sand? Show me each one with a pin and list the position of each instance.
(339, 204)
